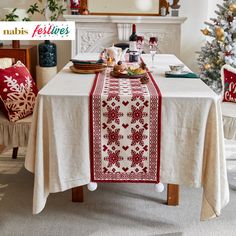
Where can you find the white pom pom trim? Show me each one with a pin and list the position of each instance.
(159, 187)
(92, 186)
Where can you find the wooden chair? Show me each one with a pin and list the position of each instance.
(229, 109)
(13, 134)
(229, 121)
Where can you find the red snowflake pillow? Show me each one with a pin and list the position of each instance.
(17, 92)
(228, 74)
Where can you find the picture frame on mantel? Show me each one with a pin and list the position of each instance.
(125, 7)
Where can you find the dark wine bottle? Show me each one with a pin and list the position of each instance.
(133, 52)
(133, 36)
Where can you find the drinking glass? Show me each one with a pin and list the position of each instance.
(140, 44)
(153, 48)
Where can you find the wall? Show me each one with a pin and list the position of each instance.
(192, 39)
(212, 7)
(131, 6)
(197, 12)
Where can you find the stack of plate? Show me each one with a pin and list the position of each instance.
(87, 67)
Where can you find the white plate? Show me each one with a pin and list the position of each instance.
(177, 73)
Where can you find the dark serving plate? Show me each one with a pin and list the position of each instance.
(87, 62)
(87, 65)
(125, 76)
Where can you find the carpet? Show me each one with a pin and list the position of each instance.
(112, 210)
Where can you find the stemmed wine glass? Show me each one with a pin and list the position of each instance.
(153, 48)
(140, 44)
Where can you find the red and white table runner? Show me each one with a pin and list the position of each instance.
(125, 127)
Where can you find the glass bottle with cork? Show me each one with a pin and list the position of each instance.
(133, 52)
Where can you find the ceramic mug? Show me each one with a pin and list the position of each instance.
(176, 68)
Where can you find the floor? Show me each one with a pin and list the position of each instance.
(114, 209)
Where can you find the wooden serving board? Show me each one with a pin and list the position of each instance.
(83, 71)
(88, 67)
(118, 75)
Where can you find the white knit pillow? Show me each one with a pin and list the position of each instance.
(6, 62)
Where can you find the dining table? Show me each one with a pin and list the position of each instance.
(192, 139)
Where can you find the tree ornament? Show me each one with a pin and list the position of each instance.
(228, 53)
(218, 62)
(232, 7)
(205, 31)
(230, 19)
(207, 66)
(220, 34)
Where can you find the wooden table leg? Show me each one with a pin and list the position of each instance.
(172, 195)
(77, 194)
(2, 148)
(14, 153)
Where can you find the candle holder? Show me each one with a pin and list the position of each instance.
(110, 62)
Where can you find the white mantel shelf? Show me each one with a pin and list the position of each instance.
(126, 19)
(94, 32)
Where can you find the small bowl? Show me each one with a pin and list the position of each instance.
(177, 68)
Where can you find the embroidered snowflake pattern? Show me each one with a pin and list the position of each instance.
(137, 92)
(113, 114)
(21, 99)
(125, 130)
(137, 137)
(113, 95)
(138, 96)
(113, 136)
(137, 114)
(137, 158)
(113, 158)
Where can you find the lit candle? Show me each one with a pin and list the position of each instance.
(110, 61)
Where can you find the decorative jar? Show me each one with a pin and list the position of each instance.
(47, 54)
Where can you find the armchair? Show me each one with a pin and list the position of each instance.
(228, 75)
(13, 134)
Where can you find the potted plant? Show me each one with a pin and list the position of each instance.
(51, 11)
(14, 14)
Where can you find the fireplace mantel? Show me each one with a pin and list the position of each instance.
(125, 19)
(93, 32)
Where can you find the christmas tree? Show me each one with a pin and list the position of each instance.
(220, 49)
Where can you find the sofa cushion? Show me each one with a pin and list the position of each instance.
(17, 92)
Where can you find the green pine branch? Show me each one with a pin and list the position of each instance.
(56, 8)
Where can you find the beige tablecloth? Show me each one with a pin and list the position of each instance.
(192, 149)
